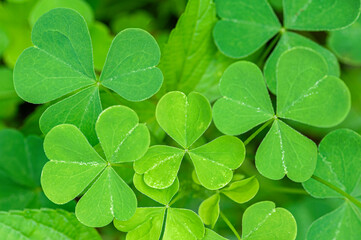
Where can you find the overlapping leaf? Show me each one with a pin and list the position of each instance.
(185, 119)
(303, 88)
(61, 63)
(76, 167)
(337, 175)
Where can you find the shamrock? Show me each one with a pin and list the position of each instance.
(75, 167)
(185, 119)
(305, 93)
(60, 65)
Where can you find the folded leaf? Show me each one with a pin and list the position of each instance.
(244, 26)
(162, 196)
(319, 15)
(245, 102)
(304, 86)
(263, 220)
(209, 210)
(184, 118)
(242, 191)
(284, 151)
(160, 166)
(214, 164)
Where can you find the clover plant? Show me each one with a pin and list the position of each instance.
(184, 134)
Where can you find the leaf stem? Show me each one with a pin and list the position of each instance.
(110, 93)
(269, 48)
(250, 138)
(179, 196)
(340, 191)
(229, 224)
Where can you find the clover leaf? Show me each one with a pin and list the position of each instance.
(44, 224)
(148, 222)
(75, 167)
(345, 43)
(60, 65)
(21, 161)
(185, 118)
(303, 86)
(263, 220)
(211, 235)
(244, 26)
(320, 15)
(337, 175)
(290, 40)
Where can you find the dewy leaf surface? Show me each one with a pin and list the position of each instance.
(130, 69)
(79, 109)
(61, 60)
(245, 102)
(263, 220)
(305, 91)
(160, 166)
(284, 151)
(184, 118)
(73, 165)
(183, 224)
(320, 15)
(145, 224)
(244, 26)
(162, 196)
(190, 48)
(345, 43)
(107, 198)
(121, 136)
(44, 224)
(288, 41)
(214, 164)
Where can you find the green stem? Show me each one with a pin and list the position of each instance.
(179, 196)
(229, 224)
(110, 93)
(340, 191)
(269, 48)
(250, 138)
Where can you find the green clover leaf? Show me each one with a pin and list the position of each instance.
(337, 175)
(185, 119)
(263, 219)
(44, 224)
(303, 86)
(209, 210)
(21, 161)
(76, 167)
(60, 65)
(244, 26)
(318, 15)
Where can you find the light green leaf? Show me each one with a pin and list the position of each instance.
(160, 166)
(319, 15)
(211, 235)
(303, 86)
(214, 164)
(245, 102)
(244, 26)
(339, 163)
(183, 224)
(107, 198)
(54, 68)
(242, 191)
(44, 6)
(209, 210)
(190, 48)
(8, 97)
(79, 109)
(101, 41)
(345, 43)
(73, 165)
(342, 223)
(121, 136)
(263, 220)
(162, 196)
(145, 224)
(44, 224)
(284, 151)
(288, 41)
(130, 69)
(184, 118)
